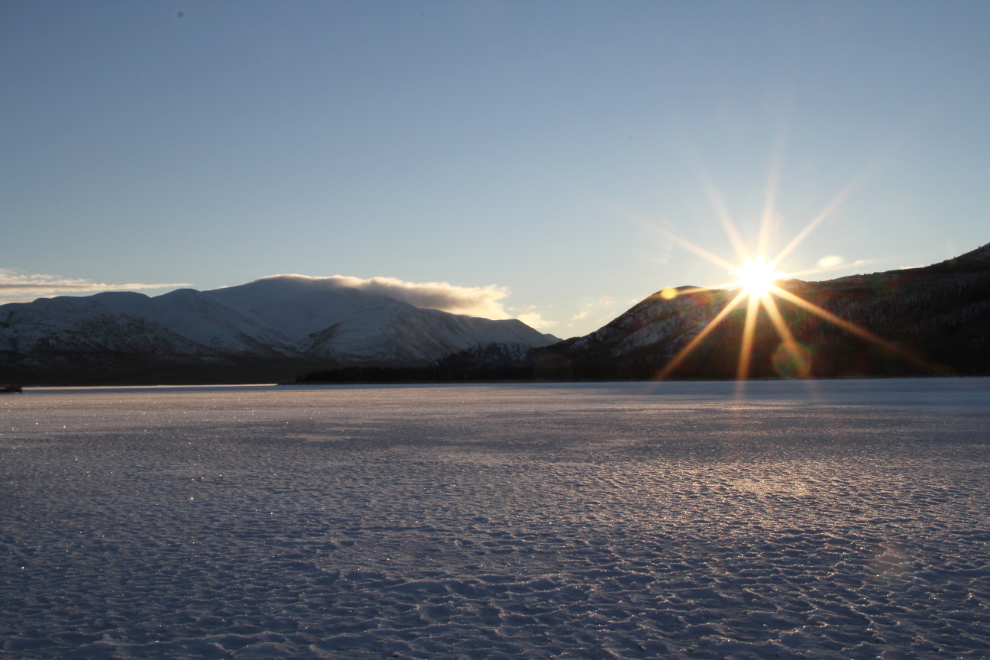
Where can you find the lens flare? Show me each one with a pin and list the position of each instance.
(757, 278)
(756, 283)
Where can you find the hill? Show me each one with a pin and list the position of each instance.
(267, 330)
(911, 322)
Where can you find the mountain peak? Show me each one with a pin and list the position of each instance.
(278, 326)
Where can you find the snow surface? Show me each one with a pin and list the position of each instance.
(846, 519)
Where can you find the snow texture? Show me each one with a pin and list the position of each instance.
(841, 519)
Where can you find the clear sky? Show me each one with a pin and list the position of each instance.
(532, 147)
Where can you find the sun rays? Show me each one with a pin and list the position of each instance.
(757, 278)
(755, 285)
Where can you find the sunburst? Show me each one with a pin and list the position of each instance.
(756, 286)
(757, 278)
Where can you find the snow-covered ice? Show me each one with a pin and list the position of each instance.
(839, 519)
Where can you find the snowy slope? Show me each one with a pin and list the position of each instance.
(357, 326)
(292, 319)
(931, 320)
(69, 339)
(655, 321)
(62, 326)
(205, 320)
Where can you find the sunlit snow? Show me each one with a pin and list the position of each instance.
(830, 520)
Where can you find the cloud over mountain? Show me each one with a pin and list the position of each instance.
(484, 302)
(534, 320)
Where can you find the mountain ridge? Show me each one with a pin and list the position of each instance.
(917, 321)
(933, 320)
(271, 329)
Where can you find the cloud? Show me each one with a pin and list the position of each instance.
(24, 287)
(484, 302)
(834, 261)
(534, 320)
(480, 301)
(599, 311)
(830, 261)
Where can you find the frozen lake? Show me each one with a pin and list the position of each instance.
(850, 519)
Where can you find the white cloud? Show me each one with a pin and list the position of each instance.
(534, 320)
(834, 261)
(595, 313)
(25, 287)
(484, 302)
(830, 261)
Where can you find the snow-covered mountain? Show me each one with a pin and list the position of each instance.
(933, 320)
(277, 324)
(354, 326)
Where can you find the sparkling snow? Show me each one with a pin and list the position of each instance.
(849, 519)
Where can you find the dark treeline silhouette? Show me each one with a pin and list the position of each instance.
(715, 359)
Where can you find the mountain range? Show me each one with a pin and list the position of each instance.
(933, 320)
(269, 329)
(911, 322)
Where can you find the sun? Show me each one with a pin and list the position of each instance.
(757, 278)
(756, 285)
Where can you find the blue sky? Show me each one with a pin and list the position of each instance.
(527, 148)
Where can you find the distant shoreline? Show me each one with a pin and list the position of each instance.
(247, 387)
(343, 380)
